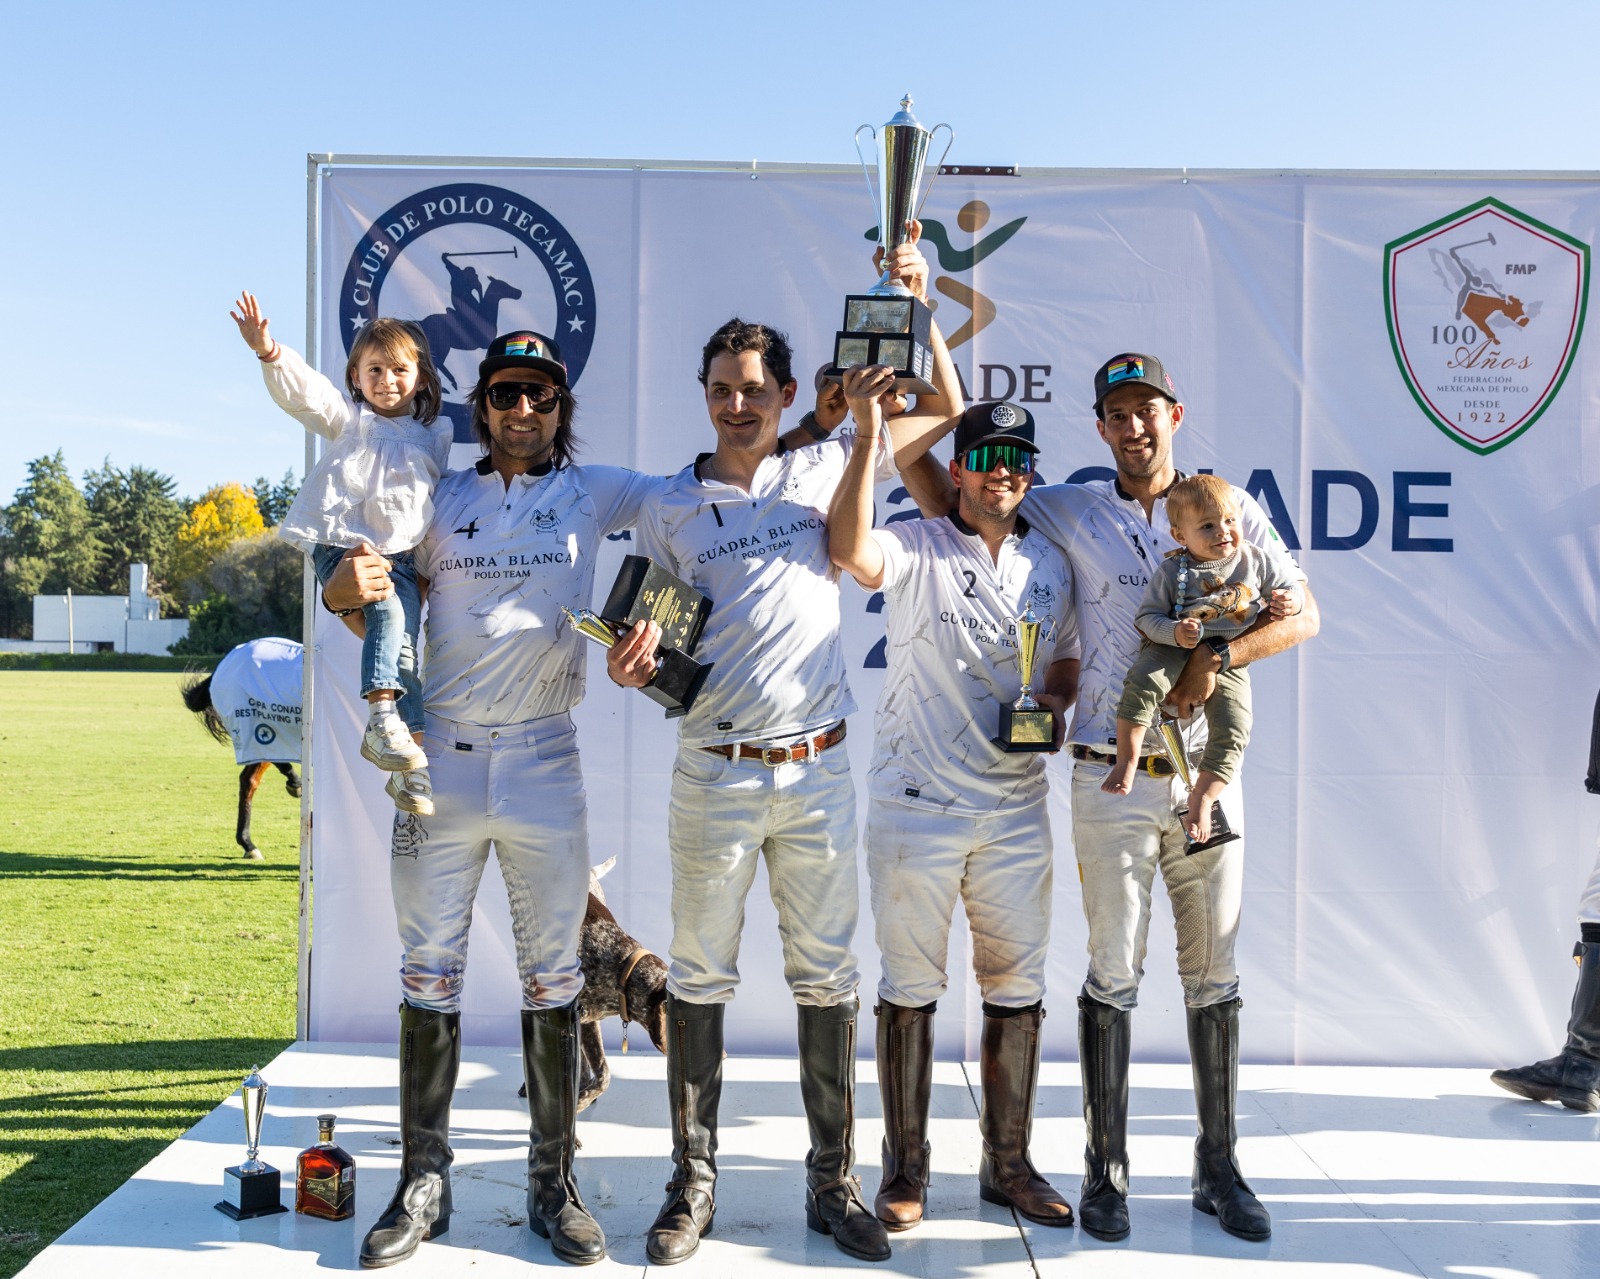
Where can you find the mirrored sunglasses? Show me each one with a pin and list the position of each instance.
(541, 396)
(986, 457)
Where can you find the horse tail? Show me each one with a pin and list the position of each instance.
(196, 694)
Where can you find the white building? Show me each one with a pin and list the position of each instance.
(128, 623)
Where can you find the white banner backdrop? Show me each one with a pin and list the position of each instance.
(1418, 832)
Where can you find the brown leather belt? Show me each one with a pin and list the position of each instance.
(1155, 765)
(772, 756)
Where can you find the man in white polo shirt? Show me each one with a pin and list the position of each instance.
(513, 540)
(952, 816)
(761, 769)
(1115, 532)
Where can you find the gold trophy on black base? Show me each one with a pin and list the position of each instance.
(646, 591)
(887, 324)
(1025, 725)
(1169, 733)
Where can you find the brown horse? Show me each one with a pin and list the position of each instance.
(196, 693)
(1480, 306)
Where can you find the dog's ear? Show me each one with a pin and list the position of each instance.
(655, 1019)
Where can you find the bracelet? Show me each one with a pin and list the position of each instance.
(813, 428)
(337, 612)
(270, 356)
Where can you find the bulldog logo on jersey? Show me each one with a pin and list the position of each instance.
(479, 260)
(546, 521)
(791, 490)
(1042, 597)
(1485, 310)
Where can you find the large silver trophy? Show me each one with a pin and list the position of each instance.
(1025, 725)
(252, 1189)
(1169, 734)
(886, 324)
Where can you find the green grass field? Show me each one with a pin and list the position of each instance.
(144, 966)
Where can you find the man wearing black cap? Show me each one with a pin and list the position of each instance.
(512, 539)
(1116, 532)
(952, 815)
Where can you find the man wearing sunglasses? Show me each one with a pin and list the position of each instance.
(762, 770)
(1116, 532)
(512, 539)
(951, 815)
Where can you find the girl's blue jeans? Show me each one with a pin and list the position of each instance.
(389, 651)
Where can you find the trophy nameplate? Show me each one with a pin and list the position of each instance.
(1025, 725)
(887, 324)
(1169, 733)
(646, 591)
(253, 1188)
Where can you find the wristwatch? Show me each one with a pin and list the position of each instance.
(813, 428)
(1219, 646)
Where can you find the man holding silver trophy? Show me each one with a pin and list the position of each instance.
(958, 810)
(1116, 532)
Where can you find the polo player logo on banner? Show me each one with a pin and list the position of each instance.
(1485, 310)
(477, 260)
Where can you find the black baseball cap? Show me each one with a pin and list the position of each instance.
(1126, 370)
(524, 349)
(993, 421)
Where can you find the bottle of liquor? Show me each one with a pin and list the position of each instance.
(325, 1177)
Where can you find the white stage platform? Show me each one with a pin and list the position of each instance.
(1366, 1172)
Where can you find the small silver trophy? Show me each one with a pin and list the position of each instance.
(886, 324)
(252, 1189)
(1169, 733)
(1025, 725)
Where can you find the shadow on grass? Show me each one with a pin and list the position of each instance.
(14, 865)
(76, 1143)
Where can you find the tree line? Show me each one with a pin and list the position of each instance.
(213, 559)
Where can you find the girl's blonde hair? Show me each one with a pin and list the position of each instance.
(398, 340)
(1198, 496)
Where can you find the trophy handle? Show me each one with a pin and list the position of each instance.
(928, 190)
(866, 172)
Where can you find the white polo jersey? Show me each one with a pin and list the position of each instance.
(256, 689)
(762, 558)
(1114, 550)
(953, 662)
(500, 562)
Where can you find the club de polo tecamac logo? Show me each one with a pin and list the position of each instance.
(533, 276)
(1485, 311)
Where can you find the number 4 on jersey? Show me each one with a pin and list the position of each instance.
(469, 529)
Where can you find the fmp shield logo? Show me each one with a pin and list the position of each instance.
(1485, 311)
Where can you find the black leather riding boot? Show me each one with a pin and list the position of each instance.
(905, 1082)
(1219, 1187)
(1572, 1076)
(1008, 1064)
(1103, 1049)
(834, 1205)
(555, 1208)
(430, 1055)
(694, 1088)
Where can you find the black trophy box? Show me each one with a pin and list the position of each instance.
(645, 590)
(1026, 730)
(250, 1192)
(886, 329)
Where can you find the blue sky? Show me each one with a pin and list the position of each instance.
(156, 156)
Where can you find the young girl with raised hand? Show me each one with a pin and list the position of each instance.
(374, 486)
